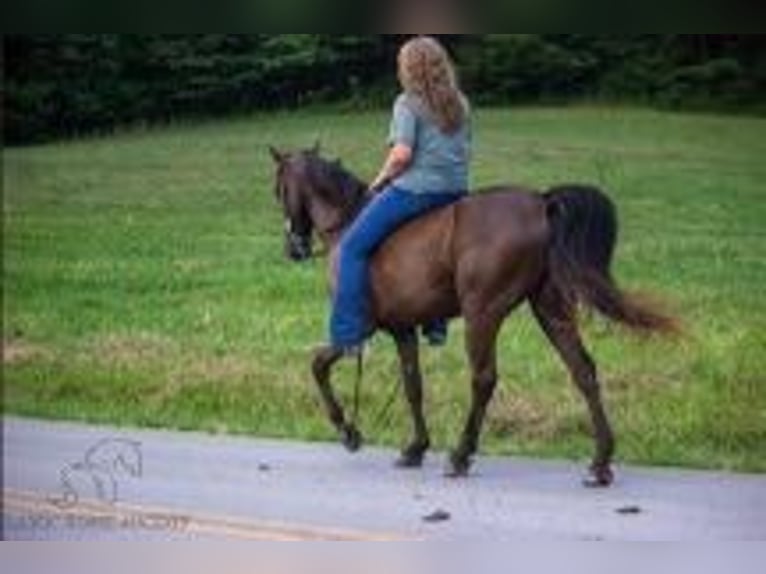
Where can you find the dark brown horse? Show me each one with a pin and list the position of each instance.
(479, 258)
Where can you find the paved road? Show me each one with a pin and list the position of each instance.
(69, 481)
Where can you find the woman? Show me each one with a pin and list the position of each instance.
(426, 168)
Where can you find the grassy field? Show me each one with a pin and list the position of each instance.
(145, 284)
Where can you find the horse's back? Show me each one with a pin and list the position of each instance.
(501, 215)
(508, 216)
(489, 214)
(423, 268)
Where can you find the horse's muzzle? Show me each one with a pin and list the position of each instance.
(297, 246)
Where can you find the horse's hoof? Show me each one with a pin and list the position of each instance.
(458, 466)
(599, 477)
(409, 460)
(351, 438)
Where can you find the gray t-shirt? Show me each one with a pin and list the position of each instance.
(440, 160)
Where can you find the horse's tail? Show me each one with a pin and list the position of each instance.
(583, 221)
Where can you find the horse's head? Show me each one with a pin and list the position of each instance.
(291, 191)
(315, 195)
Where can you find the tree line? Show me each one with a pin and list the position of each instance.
(70, 84)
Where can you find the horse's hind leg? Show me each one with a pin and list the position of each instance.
(321, 366)
(407, 346)
(557, 318)
(481, 337)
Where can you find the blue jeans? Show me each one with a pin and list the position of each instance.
(386, 212)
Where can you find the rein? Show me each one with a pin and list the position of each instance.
(357, 387)
(383, 414)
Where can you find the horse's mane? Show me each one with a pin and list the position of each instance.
(336, 184)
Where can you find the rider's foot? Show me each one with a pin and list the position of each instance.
(436, 338)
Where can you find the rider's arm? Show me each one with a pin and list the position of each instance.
(399, 158)
(402, 139)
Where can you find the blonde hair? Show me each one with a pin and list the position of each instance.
(426, 71)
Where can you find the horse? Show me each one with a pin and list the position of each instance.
(478, 258)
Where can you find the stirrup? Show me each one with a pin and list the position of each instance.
(436, 338)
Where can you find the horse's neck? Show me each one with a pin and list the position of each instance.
(331, 239)
(336, 209)
(347, 214)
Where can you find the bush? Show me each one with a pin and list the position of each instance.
(62, 85)
(519, 67)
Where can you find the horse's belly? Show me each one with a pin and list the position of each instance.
(415, 301)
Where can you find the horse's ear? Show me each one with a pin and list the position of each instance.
(277, 155)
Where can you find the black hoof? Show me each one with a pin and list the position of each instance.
(458, 466)
(598, 477)
(409, 460)
(351, 438)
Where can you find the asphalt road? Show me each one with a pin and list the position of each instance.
(69, 481)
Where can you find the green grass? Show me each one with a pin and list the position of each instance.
(145, 284)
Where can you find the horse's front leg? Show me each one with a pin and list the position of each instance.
(407, 346)
(481, 334)
(324, 359)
